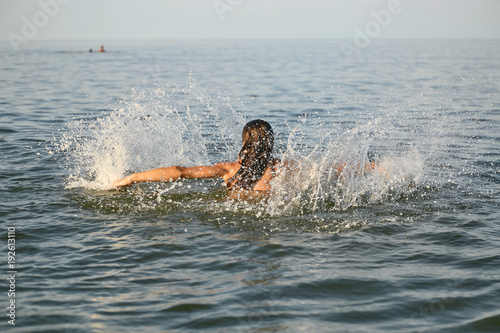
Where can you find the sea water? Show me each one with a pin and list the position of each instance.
(410, 246)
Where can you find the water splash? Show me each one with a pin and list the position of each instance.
(336, 174)
(147, 130)
(184, 125)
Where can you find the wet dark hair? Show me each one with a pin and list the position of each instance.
(255, 155)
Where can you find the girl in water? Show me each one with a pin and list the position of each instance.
(253, 171)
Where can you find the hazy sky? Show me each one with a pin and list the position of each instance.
(237, 19)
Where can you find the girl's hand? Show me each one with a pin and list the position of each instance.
(127, 181)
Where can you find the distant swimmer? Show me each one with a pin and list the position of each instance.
(90, 51)
(102, 49)
(253, 171)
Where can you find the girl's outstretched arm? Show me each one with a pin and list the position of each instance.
(173, 173)
(375, 166)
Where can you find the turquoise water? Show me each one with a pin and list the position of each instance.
(412, 249)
